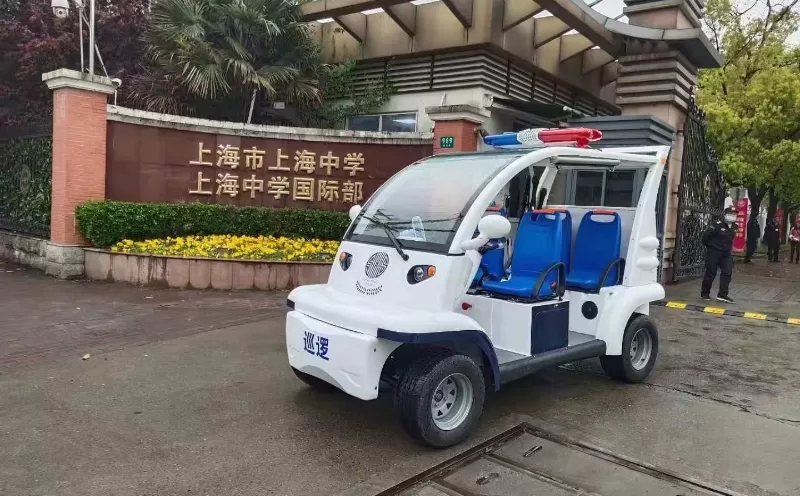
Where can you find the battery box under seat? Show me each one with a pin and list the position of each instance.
(519, 327)
(540, 260)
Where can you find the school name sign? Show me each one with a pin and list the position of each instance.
(303, 176)
(146, 164)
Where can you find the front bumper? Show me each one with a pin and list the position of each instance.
(347, 359)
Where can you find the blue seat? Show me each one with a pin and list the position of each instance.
(596, 261)
(493, 264)
(548, 215)
(538, 265)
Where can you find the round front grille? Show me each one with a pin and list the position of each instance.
(376, 265)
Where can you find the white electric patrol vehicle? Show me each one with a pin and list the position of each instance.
(435, 295)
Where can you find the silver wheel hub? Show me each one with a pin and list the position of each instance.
(451, 402)
(641, 349)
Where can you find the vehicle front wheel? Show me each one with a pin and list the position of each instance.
(315, 382)
(639, 352)
(440, 398)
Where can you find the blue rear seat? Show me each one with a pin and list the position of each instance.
(548, 215)
(596, 261)
(538, 265)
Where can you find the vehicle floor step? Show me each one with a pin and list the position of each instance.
(505, 356)
(579, 337)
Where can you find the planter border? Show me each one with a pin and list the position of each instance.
(202, 273)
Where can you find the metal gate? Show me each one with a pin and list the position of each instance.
(701, 195)
(25, 180)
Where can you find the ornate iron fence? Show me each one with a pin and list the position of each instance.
(25, 180)
(701, 195)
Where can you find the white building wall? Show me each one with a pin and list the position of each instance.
(417, 102)
(496, 122)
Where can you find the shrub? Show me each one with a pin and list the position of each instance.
(105, 223)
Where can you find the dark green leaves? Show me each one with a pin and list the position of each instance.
(25, 179)
(104, 223)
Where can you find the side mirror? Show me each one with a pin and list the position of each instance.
(354, 211)
(489, 227)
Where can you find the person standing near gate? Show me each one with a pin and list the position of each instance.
(772, 237)
(753, 235)
(718, 240)
(794, 239)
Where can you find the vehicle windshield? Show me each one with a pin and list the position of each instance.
(423, 204)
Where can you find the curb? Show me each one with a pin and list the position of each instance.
(677, 305)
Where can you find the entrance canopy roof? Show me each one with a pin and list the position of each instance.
(577, 42)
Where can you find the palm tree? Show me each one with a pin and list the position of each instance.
(217, 54)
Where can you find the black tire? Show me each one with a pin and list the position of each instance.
(315, 382)
(417, 387)
(622, 367)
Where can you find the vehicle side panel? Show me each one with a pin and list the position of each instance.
(622, 302)
(349, 360)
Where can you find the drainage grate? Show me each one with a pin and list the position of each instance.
(528, 461)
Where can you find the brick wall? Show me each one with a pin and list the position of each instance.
(79, 152)
(464, 132)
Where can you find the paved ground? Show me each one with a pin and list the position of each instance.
(43, 319)
(189, 393)
(771, 288)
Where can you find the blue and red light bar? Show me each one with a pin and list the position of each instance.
(580, 136)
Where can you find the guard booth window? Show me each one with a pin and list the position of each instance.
(596, 188)
(619, 189)
(605, 189)
(589, 188)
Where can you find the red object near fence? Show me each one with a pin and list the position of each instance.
(742, 213)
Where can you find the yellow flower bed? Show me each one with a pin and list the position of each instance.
(234, 247)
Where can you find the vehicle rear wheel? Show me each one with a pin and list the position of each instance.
(440, 398)
(315, 382)
(639, 352)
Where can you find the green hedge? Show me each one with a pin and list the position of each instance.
(104, 223)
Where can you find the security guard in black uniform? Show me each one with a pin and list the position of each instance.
(718, 240)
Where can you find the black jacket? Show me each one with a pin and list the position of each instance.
(772, 233)
(719, 236)
(753, 232)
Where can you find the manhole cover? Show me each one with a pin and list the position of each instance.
(527, 461)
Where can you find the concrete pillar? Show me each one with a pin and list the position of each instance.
(456, 127)
(79, 161)
(655, 80)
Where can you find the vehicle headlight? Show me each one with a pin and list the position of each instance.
(419, 273)
(345, 260)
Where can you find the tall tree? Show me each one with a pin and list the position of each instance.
(753, 100)
(33, 41)
(212, 57)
